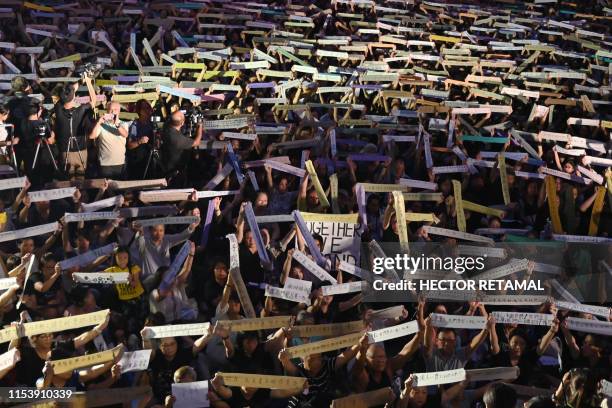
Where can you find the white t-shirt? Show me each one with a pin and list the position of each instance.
(111, 145)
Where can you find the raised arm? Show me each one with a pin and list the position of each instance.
(547, 338)
(348, 354)
(88, 336)
(359, 374)
(480, 337)
(398, 361)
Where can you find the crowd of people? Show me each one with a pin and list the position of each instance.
(237, 127)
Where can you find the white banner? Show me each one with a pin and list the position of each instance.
(529, 319)
(579, 307)
(90, 216)
(6, 283)
(28, 232)
(175, 330)
(107, 202)
(393, 332)
(48, 195)
(342, 288)
(316, 270)
(589, 326)
(9, 359)
(438, 377)
(515, 265)
(169, 221)
(7, 184)
(88, 257)
(458, 321)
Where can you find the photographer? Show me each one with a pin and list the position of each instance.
(111, 135)
(70, 124)
(175, 144)
(36, 132)
(18, 111)
(141, 133)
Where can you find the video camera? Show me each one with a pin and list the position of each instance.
(89, 69)
(42, 127)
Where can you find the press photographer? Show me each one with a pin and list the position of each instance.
(111, 135)
(37, 145)
(176, 145)
(71, 124)
(140, 137)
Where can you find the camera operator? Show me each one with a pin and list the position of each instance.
(36, 131)
(111, 135)
(175, 145)
(18, 106)
(72, 121)
(141, 132)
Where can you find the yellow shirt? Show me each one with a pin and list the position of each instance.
(125, 290)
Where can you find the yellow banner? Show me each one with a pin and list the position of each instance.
(383, 188)
(127, 98)
(88, 360)
(38, 7)
(69, 58)
(459, 206)
(278, 382)
(258, 323)
(317, 184)
(422, 217)
(324, 346)
(553, 204)
(316, 217)
(470, 206)
(503, 177)
(400, 213)
(597, 209)
(189, 65)
(443, 38)
(327, 330)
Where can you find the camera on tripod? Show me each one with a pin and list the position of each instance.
(89, 69)
(42, 127)
(193, 116)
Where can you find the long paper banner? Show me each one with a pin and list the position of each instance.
(175, 330)
(400, 213)
(328, 329)
(457, 234)
(317, 184)
(277, 382)
(258, 323)
(458, 321)
(107, 202)
(459, 206)
(438, 377)
(87, 360)
(515, 265)
(236, 277)
(343, 288)
(101, 278)
(579, 307)
(393, 332)
(261, 248)
(135, 184)
(88, 257)
(589, 326)
(11, 183)
(90, 216)
(315, 269)
(324, 346)
(169, 221)
(175, 266)
(530, 319)
(9, 359)
(310, 242)
(48, 195)
(28, 232)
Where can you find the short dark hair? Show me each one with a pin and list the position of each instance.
(540, 402)
(500, 396)
(67, 94)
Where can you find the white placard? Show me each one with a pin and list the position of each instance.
(6, 283)
(341, 240)
(190, 394)
(9, 359)
(169, 221)
(28, 232)
(107, 202)
(515, 265)
(101, 278)
(589, 326)
(135, 361)
(579, 307)
(7, 184)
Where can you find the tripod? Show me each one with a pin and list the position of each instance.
(153, 161)
(72, 143)
(11, 148)
(43, 140)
